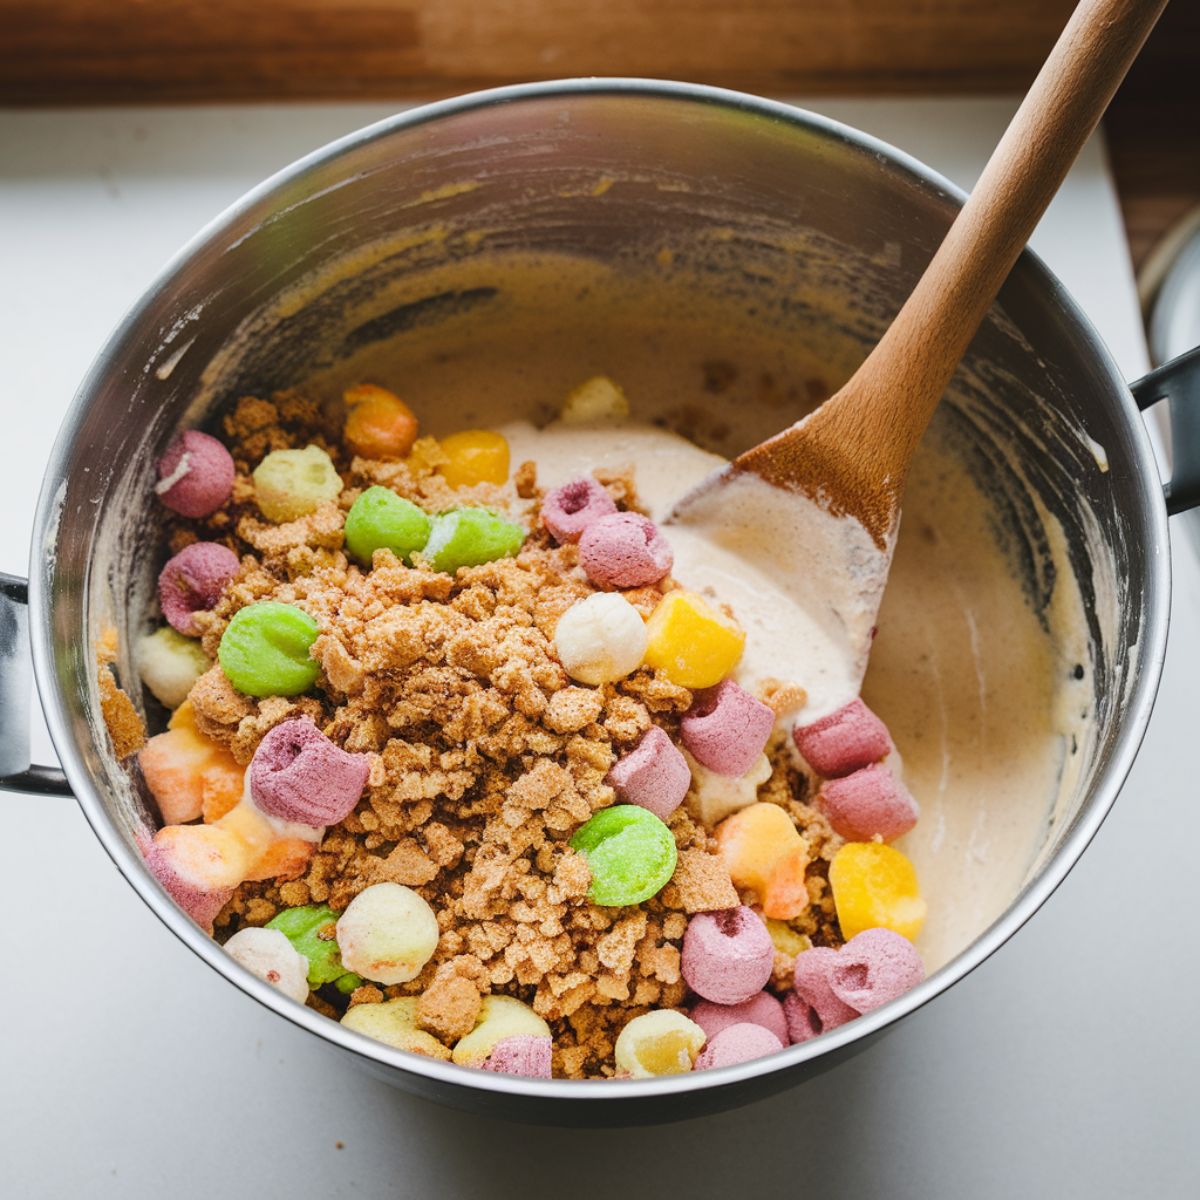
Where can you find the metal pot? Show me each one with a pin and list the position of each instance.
(518, 168)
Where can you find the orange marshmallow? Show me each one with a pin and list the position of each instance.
(763, 850)
(285, 858)
(786, 892)
(379, 424)
(189, 775)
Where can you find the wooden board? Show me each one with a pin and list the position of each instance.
(68, 51)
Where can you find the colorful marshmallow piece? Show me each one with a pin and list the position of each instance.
(500, 1018)
(761, 1009)
(812, 1007)
(569, 509)
(847, 740)
(763, 850)
(654, 775)
(311, 930)
(867, 804)
(662, 1042)
(379, 425)
(381, 520)
(726, 728)
(727, 956)
(690, 642)
(874, 967)
(594, 401)
(394, 1022)
(525, 1054)
(600, 639)
(198, 866)
(169, 664)
(474, 456)
(387, 933)
(630, 853)
(269, 955)
(738, 1044)
(298, 774)
(624, 550)
(715, 797)
(190, 776)
(264, 650)
(192, 581)
(195, 475)
(289, 484)
(875, 885)
(470, 537)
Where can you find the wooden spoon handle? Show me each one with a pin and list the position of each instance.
(881, 413)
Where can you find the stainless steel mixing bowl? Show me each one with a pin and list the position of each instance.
(821, 228)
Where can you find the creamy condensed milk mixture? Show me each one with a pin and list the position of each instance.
(465, 743)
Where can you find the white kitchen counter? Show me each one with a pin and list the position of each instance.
(1066, 1066)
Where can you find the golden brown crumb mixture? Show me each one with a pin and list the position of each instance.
(485, 757)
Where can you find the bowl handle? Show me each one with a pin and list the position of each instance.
(1178, 382)
(16, 677)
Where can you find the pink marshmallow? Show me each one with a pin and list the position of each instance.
(727, 955)
(298, 774)
(843, 742)
(200, 903)
(737, 1044)
(867, 803)
(624, 550)
(653, 775)
(761, 1009)
(873, 967)
(726, 729)
(813, 1007)
(195, 475)
(193, 581)
(568, 510)
(526, 1054)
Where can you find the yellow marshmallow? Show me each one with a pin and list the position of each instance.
(690, 642)
(875, 885)
(394, 1022)
(596, 399)
(500, 1017)
(474, 456)
(663, 1042)
(293, 483)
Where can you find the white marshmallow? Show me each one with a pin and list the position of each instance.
(268, 954)
(600, 638)
(713, 797)
(169, 664)
(387, 933)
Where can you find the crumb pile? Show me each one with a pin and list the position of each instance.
(484, 756)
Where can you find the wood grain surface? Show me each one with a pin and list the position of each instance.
(63, 51)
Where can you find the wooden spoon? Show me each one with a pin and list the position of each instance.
(830, 486)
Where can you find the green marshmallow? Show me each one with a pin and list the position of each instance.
(264, 650)
(630, 853)
(379, 519)
(470, 537)
(301, 926)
